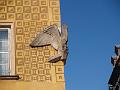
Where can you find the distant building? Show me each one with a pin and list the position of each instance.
(114, 81)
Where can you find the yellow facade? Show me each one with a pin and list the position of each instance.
(28, 18)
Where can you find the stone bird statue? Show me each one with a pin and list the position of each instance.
(56, 38)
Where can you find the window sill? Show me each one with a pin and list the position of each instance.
(9, 77)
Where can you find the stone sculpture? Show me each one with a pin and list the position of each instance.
(56, 38)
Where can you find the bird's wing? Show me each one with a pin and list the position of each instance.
(64, 33)
(48, 36)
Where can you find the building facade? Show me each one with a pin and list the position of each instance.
(23, 67)
(114, 81)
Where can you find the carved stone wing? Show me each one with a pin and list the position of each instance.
(64, 34)
(48, 36)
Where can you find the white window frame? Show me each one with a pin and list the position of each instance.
(11, 45)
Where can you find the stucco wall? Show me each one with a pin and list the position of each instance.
(29, 17)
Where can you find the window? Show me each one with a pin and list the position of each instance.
(7, 52)
(4, 57)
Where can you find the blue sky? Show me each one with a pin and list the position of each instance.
(94, 30)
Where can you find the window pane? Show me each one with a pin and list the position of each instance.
(4, 40)
(3, 34)
(4, 70)
(3, 58)
(3, 46)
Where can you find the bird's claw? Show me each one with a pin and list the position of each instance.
(54, 59)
